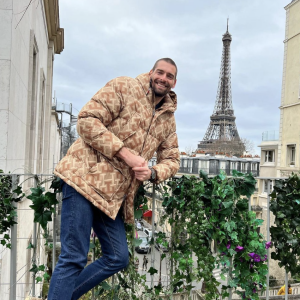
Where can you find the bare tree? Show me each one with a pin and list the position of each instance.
(249, 145)
(189, 150)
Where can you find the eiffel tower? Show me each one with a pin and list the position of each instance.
(222, 135)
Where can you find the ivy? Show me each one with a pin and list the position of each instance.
(215, 209)
(202, 212)
(8, 210)
(285, 205)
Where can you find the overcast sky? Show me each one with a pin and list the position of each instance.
(109, 38)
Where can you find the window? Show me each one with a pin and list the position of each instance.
(291, 154)
(265, 186)
(270, 156)
(233, 165)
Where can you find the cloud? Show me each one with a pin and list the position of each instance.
(110, 38)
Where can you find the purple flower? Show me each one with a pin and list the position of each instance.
(260, 285)
(251, 266)
(265, 258)
(254, 256)
(268, 245)
(228, 245)
(241, 259)
(223, 253)
(239, 248)
(254, 290)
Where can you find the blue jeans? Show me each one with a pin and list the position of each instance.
(70, 280)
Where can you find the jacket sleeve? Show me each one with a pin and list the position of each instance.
(168, 158)
(98, 113)
(281, 291)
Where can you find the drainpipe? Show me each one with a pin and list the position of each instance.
(13, 250)
(153, 233)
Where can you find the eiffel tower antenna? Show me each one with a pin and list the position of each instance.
(222, 134)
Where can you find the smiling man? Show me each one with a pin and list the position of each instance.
(120, 129)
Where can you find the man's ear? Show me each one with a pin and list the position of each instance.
(151, 71)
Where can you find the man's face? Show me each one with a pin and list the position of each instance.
(163, 78)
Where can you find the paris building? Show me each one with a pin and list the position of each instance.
(280, 149)
(30, 39)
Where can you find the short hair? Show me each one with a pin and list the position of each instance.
(289, 285)
(168, 60)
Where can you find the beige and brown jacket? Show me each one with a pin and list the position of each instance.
(120, 114)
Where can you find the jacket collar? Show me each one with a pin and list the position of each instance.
(170, 100)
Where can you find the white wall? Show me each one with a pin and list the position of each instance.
(18, 153)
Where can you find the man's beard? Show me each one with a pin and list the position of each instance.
(158, 93)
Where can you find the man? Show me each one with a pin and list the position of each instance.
(145, 262)
(120, 129)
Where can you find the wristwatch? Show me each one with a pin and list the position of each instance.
(153, 175)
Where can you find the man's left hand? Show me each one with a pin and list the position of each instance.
(142, 173)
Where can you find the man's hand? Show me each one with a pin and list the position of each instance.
(142, 173)
(138, 164)
(130, 159)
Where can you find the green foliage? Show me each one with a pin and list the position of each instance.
(201, 211)
(285, 205)
(215, 209)
(8, 211)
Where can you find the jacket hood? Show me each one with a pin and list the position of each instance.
(170, 99)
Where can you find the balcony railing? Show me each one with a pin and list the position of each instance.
(272, 135)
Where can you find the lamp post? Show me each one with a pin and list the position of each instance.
(159, 279)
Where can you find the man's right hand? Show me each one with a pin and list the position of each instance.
(130, 159)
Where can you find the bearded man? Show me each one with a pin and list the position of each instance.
(120, 129)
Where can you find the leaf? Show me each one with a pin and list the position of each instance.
(30, 246)
(152, 271)
(51, 198)
(227, 204)
(41, 268)
(137, 242)
(138, 214)
(43, 218)
(280, 215)
(38, 279)
(46, 276)
(105, 286)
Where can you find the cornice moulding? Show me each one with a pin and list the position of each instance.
(291, 4)
(55, 33)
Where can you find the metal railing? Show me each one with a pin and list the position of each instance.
(272, 135)
(12, 292)
(195, 294)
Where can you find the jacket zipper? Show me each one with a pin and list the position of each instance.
(153, 114)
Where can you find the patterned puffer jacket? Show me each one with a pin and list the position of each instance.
(120, 114)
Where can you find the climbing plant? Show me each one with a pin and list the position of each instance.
(215, 209)
(285, 235)
(201, 211)
(42, 205)
(8, 210)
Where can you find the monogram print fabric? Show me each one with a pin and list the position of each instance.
(120, 114)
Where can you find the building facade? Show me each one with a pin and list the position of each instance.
(280, 155)
(29, 138)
